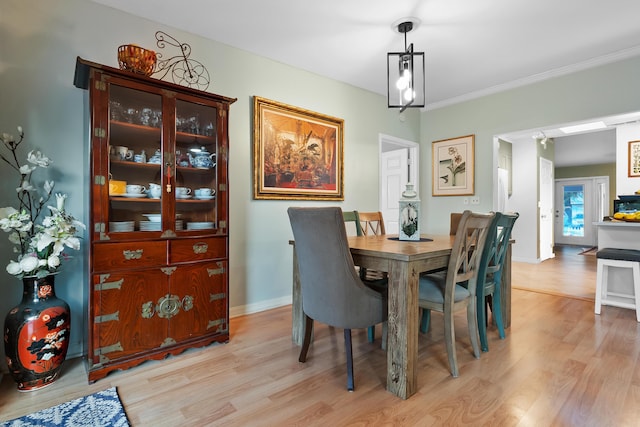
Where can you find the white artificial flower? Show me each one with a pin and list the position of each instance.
(29, 263)
(60, 198)
(39, 246)
(24, 186)
(44, 240)
(14, 238)
(53, 261)
(5, 212)
(48, 186)
(37, 158)
(14, 268)
(72, 242)
(26, 169)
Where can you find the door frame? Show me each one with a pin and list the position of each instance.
(390, 143)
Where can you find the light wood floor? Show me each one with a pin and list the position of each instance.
(577, 273)
(560, 365)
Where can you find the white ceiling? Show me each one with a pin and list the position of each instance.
(472, 47)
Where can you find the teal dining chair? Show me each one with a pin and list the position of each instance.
(488, 293)
(455, 288)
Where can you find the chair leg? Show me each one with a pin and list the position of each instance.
(347, 346)
(425, 320)
(385, 334)
(450, 340)
(472, 320)
(481, 308)
(497, 311)
(308, 329)
(601, 280)
(636, 287)
(371, 333)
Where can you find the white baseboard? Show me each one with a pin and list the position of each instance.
(241, 310)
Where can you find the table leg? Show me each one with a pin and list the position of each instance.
(402, 345)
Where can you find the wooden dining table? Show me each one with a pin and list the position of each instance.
(403, 261)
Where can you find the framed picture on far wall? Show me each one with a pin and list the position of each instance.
(297, 153)
(453, 166)
(634, 159)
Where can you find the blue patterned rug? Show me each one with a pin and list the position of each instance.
(96, 410)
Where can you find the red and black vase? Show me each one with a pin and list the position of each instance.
(36, 335)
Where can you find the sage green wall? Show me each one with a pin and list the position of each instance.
(606, 169)
(39, 45)
(601, 91)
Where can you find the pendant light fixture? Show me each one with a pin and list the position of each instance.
(405, 74)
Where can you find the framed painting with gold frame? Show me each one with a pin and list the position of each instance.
(453, 166)
(634, 159)
(297, 153)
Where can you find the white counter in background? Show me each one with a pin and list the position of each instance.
(617, 234)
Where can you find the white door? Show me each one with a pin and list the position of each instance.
(394, 174)
(578, 203)
(545, 206)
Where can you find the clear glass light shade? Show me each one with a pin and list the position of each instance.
(405, 80)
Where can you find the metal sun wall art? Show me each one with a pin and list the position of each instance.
(184, 71)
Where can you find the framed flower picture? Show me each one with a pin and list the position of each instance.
(453, 166)
(634, 159)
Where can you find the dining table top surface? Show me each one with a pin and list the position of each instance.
(402, 250)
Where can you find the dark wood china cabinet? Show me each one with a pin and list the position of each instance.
(159, 250)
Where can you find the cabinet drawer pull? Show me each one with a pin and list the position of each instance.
(148, 310)
(135, 254)
(200, 248)
(187, 303)
(168, 306)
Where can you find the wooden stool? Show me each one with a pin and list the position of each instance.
(605, 295)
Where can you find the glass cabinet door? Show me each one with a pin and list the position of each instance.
(161, 163)
(134, 160)
(196, 149)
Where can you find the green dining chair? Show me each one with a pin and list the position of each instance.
(352, 217)
(490, 274)
(455, 288)
(378, 284)
(372, 223)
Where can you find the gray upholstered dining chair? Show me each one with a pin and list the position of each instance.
(332, 292)
(455, 288)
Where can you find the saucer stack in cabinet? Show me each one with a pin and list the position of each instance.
(200, 225)
(121, 226)
(157, 226)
